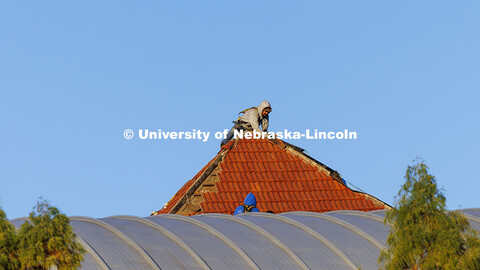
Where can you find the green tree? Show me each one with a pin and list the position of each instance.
(47, 240)
(8, 244)
(423, 234)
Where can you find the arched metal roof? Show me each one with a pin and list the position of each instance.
(267, 251)
(294, 240)
(344, 235)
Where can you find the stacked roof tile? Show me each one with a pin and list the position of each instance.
(280, 175)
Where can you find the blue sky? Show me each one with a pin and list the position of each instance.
(404, 75)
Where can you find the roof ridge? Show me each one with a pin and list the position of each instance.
(333, 173)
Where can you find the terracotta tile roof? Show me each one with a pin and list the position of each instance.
(280, 175)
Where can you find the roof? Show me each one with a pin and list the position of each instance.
(294, 240)
(281, 176)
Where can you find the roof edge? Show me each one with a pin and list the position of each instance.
(199, 181)
(332, 173)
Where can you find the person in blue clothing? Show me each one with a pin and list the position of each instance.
(249, 205)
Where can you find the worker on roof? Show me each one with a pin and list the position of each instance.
(249, 205)
(251, 119)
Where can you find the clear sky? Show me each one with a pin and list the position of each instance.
(405, 75)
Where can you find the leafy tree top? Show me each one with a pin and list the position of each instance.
(47, 240)
(424, 235)
(8, 244)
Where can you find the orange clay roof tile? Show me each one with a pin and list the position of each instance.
(282, 181)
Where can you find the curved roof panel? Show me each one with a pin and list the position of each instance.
(115, 249)
(267, 251)
(167, 250)
(473, 216)
(293, 240)
(472, 211)
(18, 222)
(369, 223)
(297, 236)
(357, 245)
(217, 251)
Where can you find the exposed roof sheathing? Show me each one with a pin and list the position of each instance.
(279, 174)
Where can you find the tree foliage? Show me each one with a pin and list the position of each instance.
(423, 234)
(8, 244)
(47, 240)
